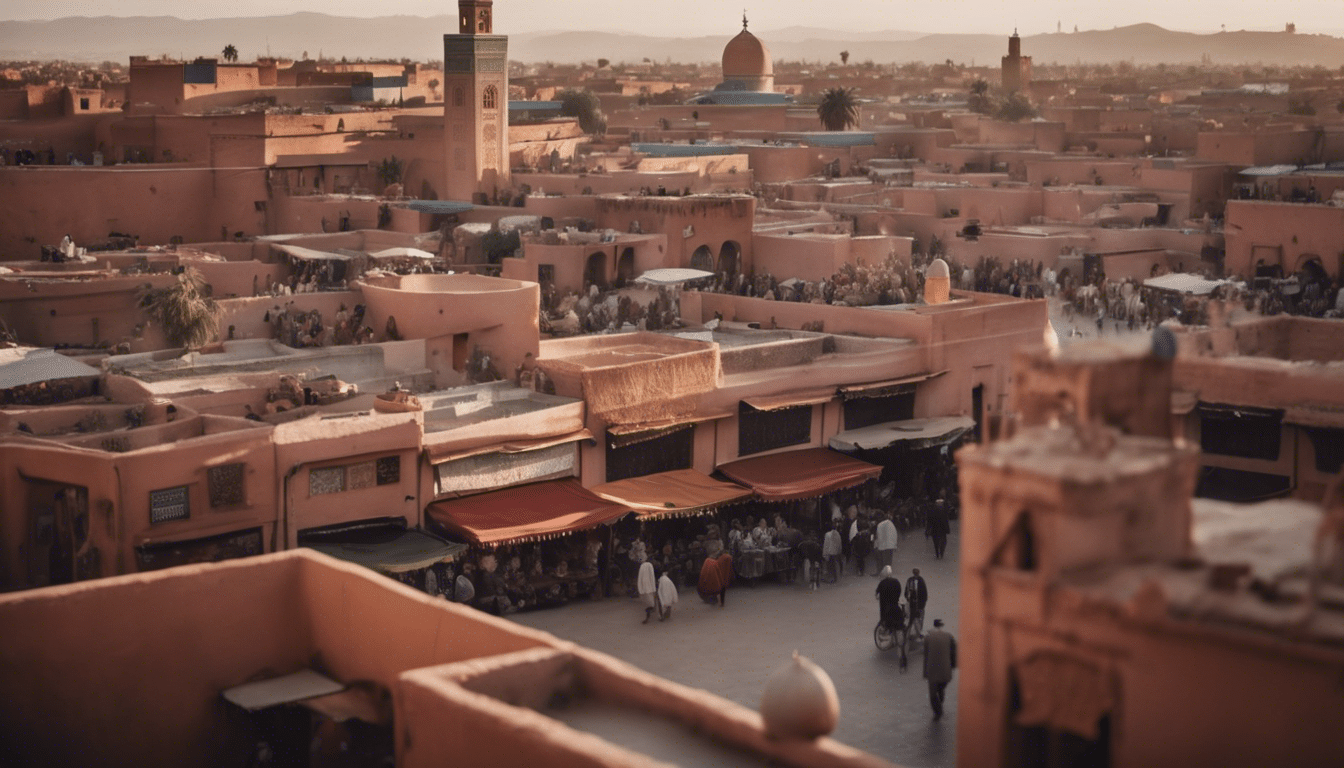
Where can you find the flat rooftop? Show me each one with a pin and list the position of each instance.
(449, 409)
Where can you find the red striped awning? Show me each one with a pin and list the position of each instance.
(800, 474)
(524, 513)
(679, 493)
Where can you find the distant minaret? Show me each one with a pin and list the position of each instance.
(475, 104)
(1016, 67)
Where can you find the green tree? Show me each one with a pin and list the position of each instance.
(838, 110)
(185, 309)
(230, 52)
(979, 101)
(390, 171)
(584, 105)
(1015, 108)
(499, 246)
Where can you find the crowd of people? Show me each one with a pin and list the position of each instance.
(598, 311)
(518, 577)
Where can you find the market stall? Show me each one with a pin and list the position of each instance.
(665, 506)
(531, 545)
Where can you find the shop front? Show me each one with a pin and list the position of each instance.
(533, 545)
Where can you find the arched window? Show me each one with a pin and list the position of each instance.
(459, 98)
(490, 100)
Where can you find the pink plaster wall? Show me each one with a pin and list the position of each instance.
(68, 312)
(154, 202)
(498, 315)
(305, 445)
(1283, 233)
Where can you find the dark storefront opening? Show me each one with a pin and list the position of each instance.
(58, 532)
(1238, 485)
(1046, 747)
(880, 406)
(1250, 433)
(645, 453)
(211, 549)
(1329, 445)
(762, 430)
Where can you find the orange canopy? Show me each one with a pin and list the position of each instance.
(678, 493)
(799, 474)
(524, 513)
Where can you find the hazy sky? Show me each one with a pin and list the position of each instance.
(714, 17)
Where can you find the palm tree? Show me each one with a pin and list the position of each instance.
(185, 309)
(844, 57)
(230, 52)
(838, 110)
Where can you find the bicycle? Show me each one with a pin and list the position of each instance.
(885, 639)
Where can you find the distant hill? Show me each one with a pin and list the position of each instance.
(420, 38)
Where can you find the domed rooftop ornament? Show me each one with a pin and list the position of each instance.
(747, 60)
(799, 701)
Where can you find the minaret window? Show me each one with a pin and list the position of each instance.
(490, 100)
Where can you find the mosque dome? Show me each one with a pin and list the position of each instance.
(746, 61)
(746, 56)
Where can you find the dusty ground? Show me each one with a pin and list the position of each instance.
(731, 651)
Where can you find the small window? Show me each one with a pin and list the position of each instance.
(169, 504)
(83, 103)
(326, 480)
(226, 485)
(459, 98)
(389, 470)
(360, 476)
(490, 99)
(759, 431)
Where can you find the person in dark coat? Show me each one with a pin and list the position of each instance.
(862, 546)
(940, 658)
(810, 551)
(938, 527)
(916, 597)
(889, 601)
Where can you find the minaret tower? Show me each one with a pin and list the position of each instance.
(1016, 67)
(475, 104)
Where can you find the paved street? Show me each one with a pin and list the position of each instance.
(732, 651)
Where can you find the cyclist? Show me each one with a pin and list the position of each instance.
(917, 596)
(891, 614)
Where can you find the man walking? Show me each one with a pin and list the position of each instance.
(885, 542)
(938, 527)
(940, 658)
(916, 596)
(832, 550)
(810, 551)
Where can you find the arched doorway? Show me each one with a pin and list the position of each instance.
(595, 272)
(703, 258)
(625, 268)
(730, 257)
